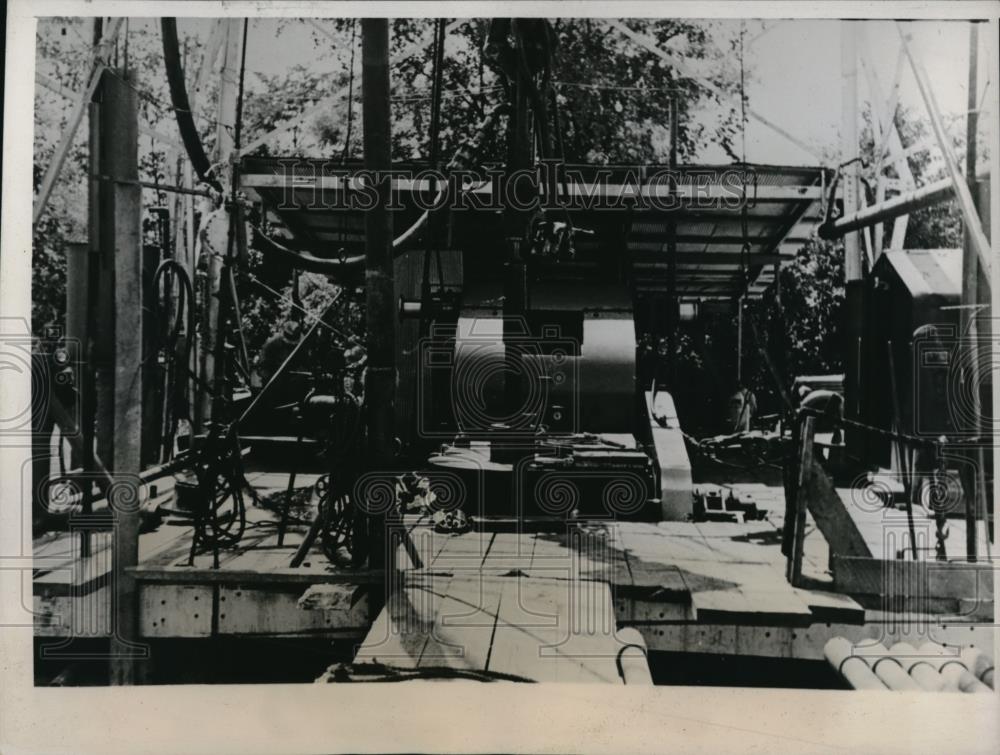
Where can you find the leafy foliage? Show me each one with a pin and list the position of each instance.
(613, 108)
(617, 121)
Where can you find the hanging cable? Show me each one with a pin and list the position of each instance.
(182, 105)
(176, 361)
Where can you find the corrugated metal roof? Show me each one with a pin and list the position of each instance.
(783, 212)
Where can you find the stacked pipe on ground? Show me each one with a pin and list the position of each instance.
(931, 667)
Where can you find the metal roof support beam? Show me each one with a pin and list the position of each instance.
(716, 196)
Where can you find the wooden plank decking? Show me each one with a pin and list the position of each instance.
(706, 587)
(532, 629)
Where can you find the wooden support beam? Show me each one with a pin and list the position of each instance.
(380, 378)
(830, 514)
(120, 233)
(814, 492)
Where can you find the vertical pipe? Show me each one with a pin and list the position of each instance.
(853, 278)
(970, 298)
(672, 305)
(380, 379)
(994, 223)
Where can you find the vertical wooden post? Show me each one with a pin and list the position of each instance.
(101, 325)
(790, 480)
(380, 381)
(216, 231)
(121, 262)
(806, 459)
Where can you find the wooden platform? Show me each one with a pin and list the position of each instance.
(253, 592)
(709, 587)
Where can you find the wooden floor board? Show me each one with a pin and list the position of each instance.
(400, 632)
(462, 633)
